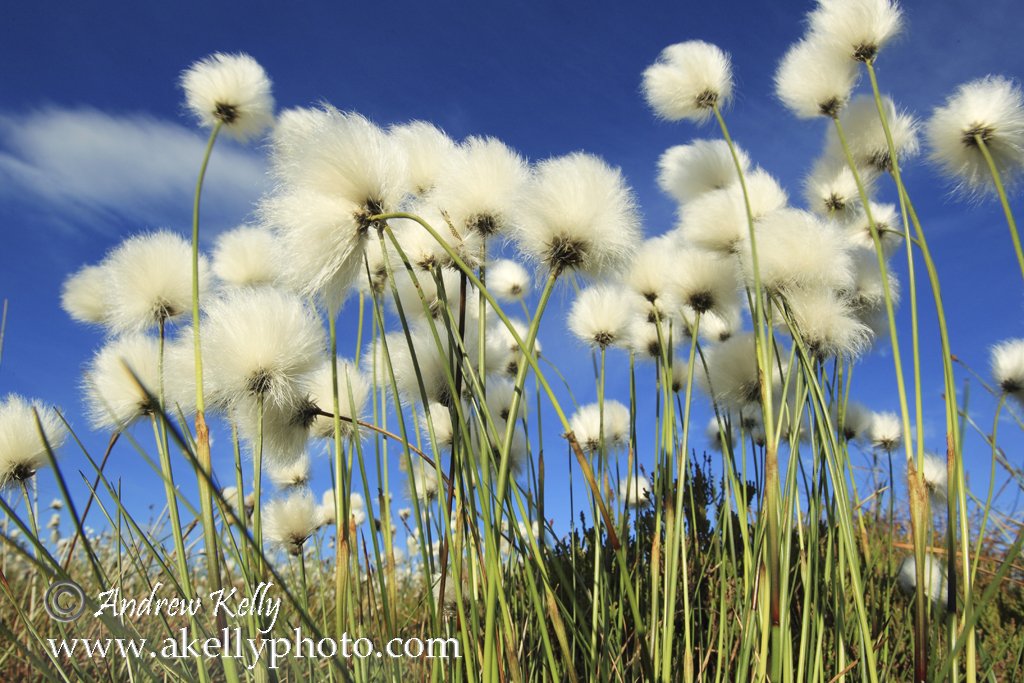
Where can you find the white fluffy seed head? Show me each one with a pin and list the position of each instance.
(586, 424)
(831, 188)
(853, 422)
(812, 80)
(648, 342)
(500, 392)
(261, 343)
(936, 478)
(427, 149)
(722, 439)
(293, 128)
(508, 280)
(732, 378)
(424, 482)
(579, 215)
(703, 281)
(353, 391)
(717, 220)
(122, 381)
(334, 171)
(248, 256)
(720, 325)
(431, 362)
(867, 291)
(601, 315)
(886, 431)
(649, 272)
(992, 109)
(688, 80)
(285, 429)
(345, 156)
(1007, 360)
(322, 241)
(289, 521)
(86, 295)
(481, 186)
(22, 446)
(797, 250)
(887, 224)
(294, 474)
(356, 508)
(150, 279)
(685, 172)
(232, 90)
(936, 587)
(635, 491)
(856, 29)
(826, 324)
(441, 421)
(866, 137)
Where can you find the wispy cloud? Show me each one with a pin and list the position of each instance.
(83, 168)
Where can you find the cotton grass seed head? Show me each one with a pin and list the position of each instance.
(353, 391)
(334, 177)
(440, 419)
(424, 482)
(481, 185)
(830, 189)
(826, 324)
(685, 172)
(427, 149)
(294, 474)
(888, 226)
(853, 422)
(587, 422)
(601, 315)
(635, 491)
(856, 29)
(866, 136)
(688, 81)
(703, 281)
(248, 256)
(991, 110)
(579, 216)
(150, 279)
(935, 588)
(122, 381)
(85, 295)
(22, 446)
(795, 249)
(936, 478)
(281, 433)
(886, 431)
(812, 80)
(717, 220)
(232, 90)
(261, 343)
(508, 280)
(1007, 360)
(649, 272)
(291, 520)
(732, 376)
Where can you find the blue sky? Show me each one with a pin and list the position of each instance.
(95, 145)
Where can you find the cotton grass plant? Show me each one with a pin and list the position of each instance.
(770, 557)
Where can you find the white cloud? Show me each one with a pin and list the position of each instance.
(84, 167)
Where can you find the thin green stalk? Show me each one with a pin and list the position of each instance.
(979, 140)
(202, 430)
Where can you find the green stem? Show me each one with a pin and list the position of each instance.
(997, 179)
